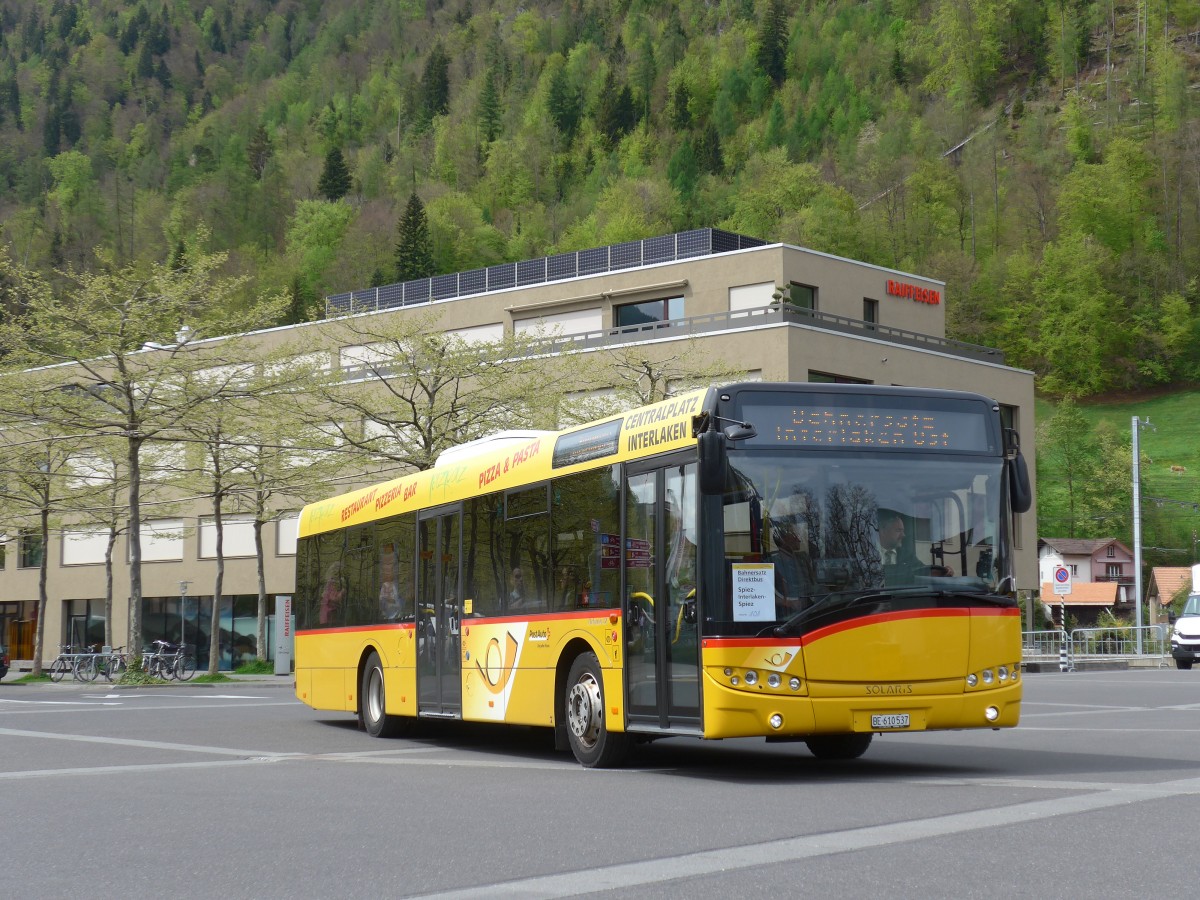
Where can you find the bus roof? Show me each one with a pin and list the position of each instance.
(657, 428)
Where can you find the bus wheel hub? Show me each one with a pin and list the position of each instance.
(584, 710)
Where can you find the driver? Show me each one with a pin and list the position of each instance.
(900, 563)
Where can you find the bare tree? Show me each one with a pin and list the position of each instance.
(609, 381)
(407, 391)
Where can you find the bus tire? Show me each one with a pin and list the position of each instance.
(1183, 664)
(838, 746)
(592, 743)
(372, 702)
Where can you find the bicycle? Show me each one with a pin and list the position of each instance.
(63, 663)
(170, 661)
(107, 662)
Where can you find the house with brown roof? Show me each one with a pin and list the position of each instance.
(1165, 582)
(1102, 577)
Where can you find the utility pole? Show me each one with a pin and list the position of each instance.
(1137, 426)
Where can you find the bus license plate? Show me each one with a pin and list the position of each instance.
(891, 720)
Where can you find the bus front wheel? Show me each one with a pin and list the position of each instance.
(592, 743)
(838, 746)
(372, 702)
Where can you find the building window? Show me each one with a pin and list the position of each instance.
(30, 549)
(830, 378)
(802, 295)
(646, 313)
(1113, 570)
(1074, 570)
(870, 311)
(1112, 551)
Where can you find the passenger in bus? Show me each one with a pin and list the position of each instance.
(516, 597)
(389, 601)
(332, 595)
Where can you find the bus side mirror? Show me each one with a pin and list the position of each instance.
(1018, 484)
(712, 462)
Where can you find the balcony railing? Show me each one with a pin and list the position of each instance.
(739, 319)
(505, 276)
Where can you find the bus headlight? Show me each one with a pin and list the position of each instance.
(751, 677)
(776, 721)
(773, 680)
(1002, 673)
(794, 683)
(991, 714)
(972, 680)
(988, 677)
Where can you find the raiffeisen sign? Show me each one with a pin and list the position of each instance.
(914, 292)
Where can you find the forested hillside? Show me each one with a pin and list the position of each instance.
(1041, 156)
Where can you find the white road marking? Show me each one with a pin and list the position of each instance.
(692, 865)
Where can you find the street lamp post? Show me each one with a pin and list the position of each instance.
(183, 586)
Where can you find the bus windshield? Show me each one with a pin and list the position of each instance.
(802, 527)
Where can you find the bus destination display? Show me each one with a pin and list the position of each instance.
(842, 425)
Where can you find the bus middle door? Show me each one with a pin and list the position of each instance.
(439, 576)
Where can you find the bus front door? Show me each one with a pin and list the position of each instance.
(439, 659)
(662, 650)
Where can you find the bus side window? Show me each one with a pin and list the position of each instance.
(483, 554)
(530, 579)
(586, 525)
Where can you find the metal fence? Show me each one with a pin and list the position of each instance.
(505, 276)
(1099, 644)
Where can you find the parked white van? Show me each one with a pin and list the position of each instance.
(1185, 637)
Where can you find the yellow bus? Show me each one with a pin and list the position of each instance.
(800, 562)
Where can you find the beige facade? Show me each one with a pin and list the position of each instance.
(865, 324)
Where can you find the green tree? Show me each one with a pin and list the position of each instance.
(773, 42)
(414, 250)
(1066, 442)
(259, 152)
(88, 345)
(564, 103)
(334, 183)
(435, 84)
(33, 486)
(490, 111)
(683, 171)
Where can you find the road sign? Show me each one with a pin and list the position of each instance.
(1062, 580)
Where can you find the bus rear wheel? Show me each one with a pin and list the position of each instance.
(838, 746)
(592, 743)
(372, 702)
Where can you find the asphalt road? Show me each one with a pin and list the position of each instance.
(240, 791)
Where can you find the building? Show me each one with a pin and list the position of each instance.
(843, 321)
(1165, 582)
(1102, 576)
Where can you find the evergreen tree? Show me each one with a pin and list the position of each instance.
(435, 84)
(773, 42)
(683, 171)
(490, 111)
(563, 104)
(414, 250)
(615, 113)
(335, 177)
(259, 151)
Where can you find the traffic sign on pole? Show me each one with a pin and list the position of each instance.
(1062, 580)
